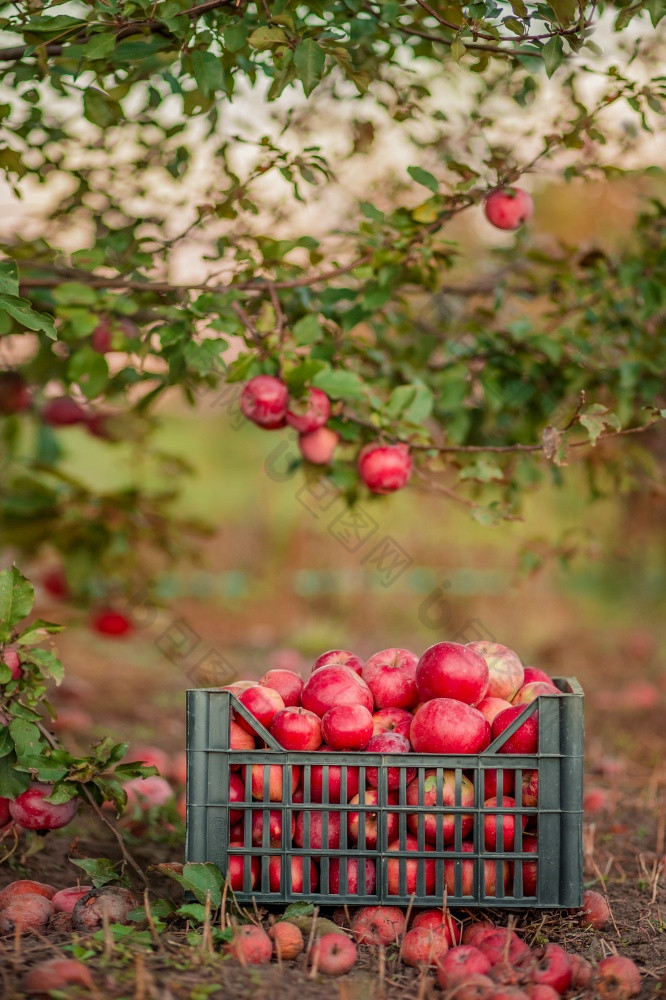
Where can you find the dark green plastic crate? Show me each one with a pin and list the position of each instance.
(557, 818)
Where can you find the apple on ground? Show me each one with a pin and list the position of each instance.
(287, 940)
(148, 792)
(250, 945)
(446, 821)
(504, 945)
(385, 468)
(347, 727)
(461, 962)
(58, 974)
(392, 720)
(333, 954)
(451, 670)
(391, 677)
(287, 683)
(264, 401)
(617, 978)
(106, 621)
(424, 947)
(445, 725)
(475, 932)
(378, 925)
(440, 920)
(552, 968)
(297, 729)
(65, 900)
(338, 657)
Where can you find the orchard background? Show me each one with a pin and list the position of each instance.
(195, 196)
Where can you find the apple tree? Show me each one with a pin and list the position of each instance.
(201, 194)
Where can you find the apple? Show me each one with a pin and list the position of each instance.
(508, 823)
(539, 991)
(57, 974)
(318, 447)
(450, 670)
(287, 683)
(111, 623)
(14, 394)
(318, 838)
(335, 657)
(525, 740)
(333, 954)
(378, 925)
(595, 911)
(490, 782)
(528, 692)
(530, 788)
(391, 677)
(441, 920)
(530, 868)
(332, 686)
(297, 729)
(63, 412)
(552, 968)
(274, 826)
(54, 582)
(23, 887)
(506, 671)
(475, 932)
(264, 401)
(250, 945)
(582, 972)
(151, 757)
(262, 702)
(287, 940)
(508, 207)
(424, 947)
(508, 993)
(26, 913)
(392, 720)
(504, 945)
(31, 810)
(385, 468)
(536, 674)
(148, 792)
(101, 337)
(347, 727)
(446, 821)
(357, 870)
(296, 874)
(461, 962)
(388, 743)
(334, 782)
(467, 870)
(240, 739)
(309, 413)
(236, 867)
(65, 900)
(490, 707)
(596, 800)
(5, 815)
(275, 771)
(371, 819)
(11, 660)
(473, 987)
(617, 978)
(444, 725)
(410, 869)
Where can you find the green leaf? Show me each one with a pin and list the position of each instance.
(483, 470)
(309, 60)
(202, 878)
(340, 384)
(192, 911)
(519, 8)
(37, 631)
(208, 72)
(596, 418)
(27, 741)
(48, 663)
(304, 373)
(21, 310)
(458, 50)
(566, 11)
(99, 46)
(90, 371)
(235, 37)
(17, 596)
(12, 782)
(411, 403)
(300, 909)
(307, 330)
(9, 278)
(100, 871)
(553, 54)
(266, 38)
(6, 741)
(423, 177)
(74, 293)
(99, 109)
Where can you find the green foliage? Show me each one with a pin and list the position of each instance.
(28, 749)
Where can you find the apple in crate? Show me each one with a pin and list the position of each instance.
(447, 797)
(331, 686)
(490, 707)
(236, 869)
(297, 867)
(391, 677)
(347, 727)
(297, 729)
(371, 818)
(506, 672)
(392, 720)
(287, 683)
(275, 772)
(450, 670)
(275, 824)
(411, 868)
(467, 870)
(389, 743)
(357, 869)
(525, 740)
(262, 702)
(339, 657)
(318, 837)
(340, 785)
(529, 692)
(492, 820)
(444, 725)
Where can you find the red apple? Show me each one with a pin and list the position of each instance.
(333, 954)
(552, 968)
(347, 727)
(475, 932)
(447, 821)
(334, 782)
(596, 800)
(274, 826)
(151, 757)
(319, 838)
(296, 873)
(391, 820)
(378, 925)
(318, 447)
(58, 974)
(31, 810)
(595, 911)
(14, 394)
(287, 683)
(63, 412)
(385, 468)
(467, 869)
(101, 337)
(450, 670)
(490, 782)
(490, 707)
(337, 657)
(65, 900)
(11, 660)
(617, 978)
(275, 790)
(55, 583)
(240, 739)
(148, 792)
(357, 870)
(447, 726)
(236, 794)
(411, 869)
(530, 789)
(332, 686)
(262, 702)
(536, 674)
(424, 947)
(388, 743)
(508, 822)
(392, 720)
(508, 207)
(441, 920)
(525, 740)
(504, 945)
(264, 401)
(504, 666)
(297, 729)
(309, 413)
(236, 868)
(530, 868)
(391, 677)
(582, 972)
(528, 692)
(459, 963)
(5, 815)
(112, 623)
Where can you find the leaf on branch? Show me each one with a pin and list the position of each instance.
(340, 384)
(483, 470)
(12, 782)
(554, 446)
(197, 879)
(309, 60)
(48, 663)
(99, 109)
(597, 417)
(9, 278)
(424, 177)
(553, 54)
(21, 310)
(17, 596)
(37, 631)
